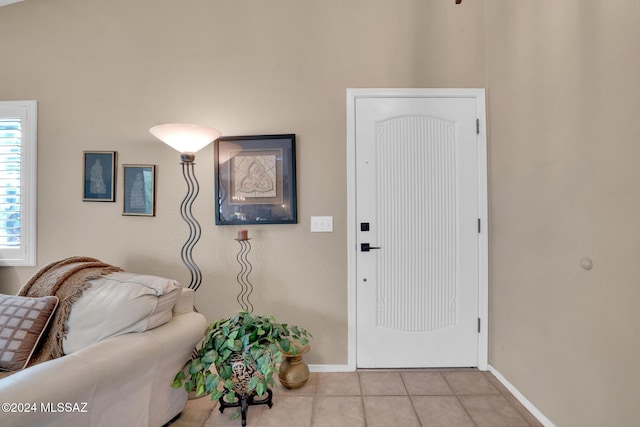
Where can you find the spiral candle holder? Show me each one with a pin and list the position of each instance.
(246, 288)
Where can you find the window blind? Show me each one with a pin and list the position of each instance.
(18, 182)
(10, 190)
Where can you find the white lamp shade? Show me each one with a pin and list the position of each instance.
(185, 137)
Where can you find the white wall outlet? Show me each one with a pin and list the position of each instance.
(321, 224)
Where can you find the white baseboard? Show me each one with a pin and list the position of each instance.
(331, 368)
(514, 391)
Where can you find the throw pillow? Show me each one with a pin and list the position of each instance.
(119, 303)
(23, 321)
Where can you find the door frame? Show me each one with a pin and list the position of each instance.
(483, 246)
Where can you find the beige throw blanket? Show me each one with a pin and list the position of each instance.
(66, 279)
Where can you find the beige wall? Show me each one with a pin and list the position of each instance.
(104, 72)
(564, 101)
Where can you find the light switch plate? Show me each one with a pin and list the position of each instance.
(321, 224)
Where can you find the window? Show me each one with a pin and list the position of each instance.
(18, 132)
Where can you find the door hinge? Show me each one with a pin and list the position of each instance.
(479, 226)
(478, 325)
(477, 126)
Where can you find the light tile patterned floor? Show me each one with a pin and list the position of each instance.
(389, 398)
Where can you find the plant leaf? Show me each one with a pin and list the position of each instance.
(260, 388)
(245, 340)
(180, 376)
(253, 382)
(195, 366)
(210, 357)
(177, 383)
(286, 345)
(218, 342)
(230, 343)
(200, 389)
(248, 321)
(212, 382)
(217, 394)
(225, 371)
(230, 397)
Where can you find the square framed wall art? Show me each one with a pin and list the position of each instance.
(139, 185)
(99, 176)
(255, 179)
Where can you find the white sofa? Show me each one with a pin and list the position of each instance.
(123, 380)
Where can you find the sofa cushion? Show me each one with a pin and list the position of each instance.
(119, 303)
(23, 321)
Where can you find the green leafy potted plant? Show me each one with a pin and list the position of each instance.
(238, 357)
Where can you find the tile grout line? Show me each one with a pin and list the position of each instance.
(364, 414)
(455, 393)
(502, 390)
(410, 399)
(313, 402)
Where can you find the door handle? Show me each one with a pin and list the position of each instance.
(365, 247)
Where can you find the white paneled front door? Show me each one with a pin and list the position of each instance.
(417, 231)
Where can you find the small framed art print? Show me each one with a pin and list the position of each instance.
(139, 183)
(99, 173)
(256, 179)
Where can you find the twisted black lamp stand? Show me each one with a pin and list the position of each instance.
(243, 277)
(193, 188)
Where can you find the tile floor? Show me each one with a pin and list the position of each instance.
(389, 398)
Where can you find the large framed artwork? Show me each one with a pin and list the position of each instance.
(256, 179)
(139, 182)
(99, 175)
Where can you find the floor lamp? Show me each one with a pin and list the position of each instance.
(188, 138)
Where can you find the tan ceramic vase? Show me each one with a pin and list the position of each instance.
(294, 373)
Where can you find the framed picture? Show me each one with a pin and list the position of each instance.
(139, 183)
(256, 179)
(99, 174)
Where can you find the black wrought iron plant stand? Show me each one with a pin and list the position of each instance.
(244, 401)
